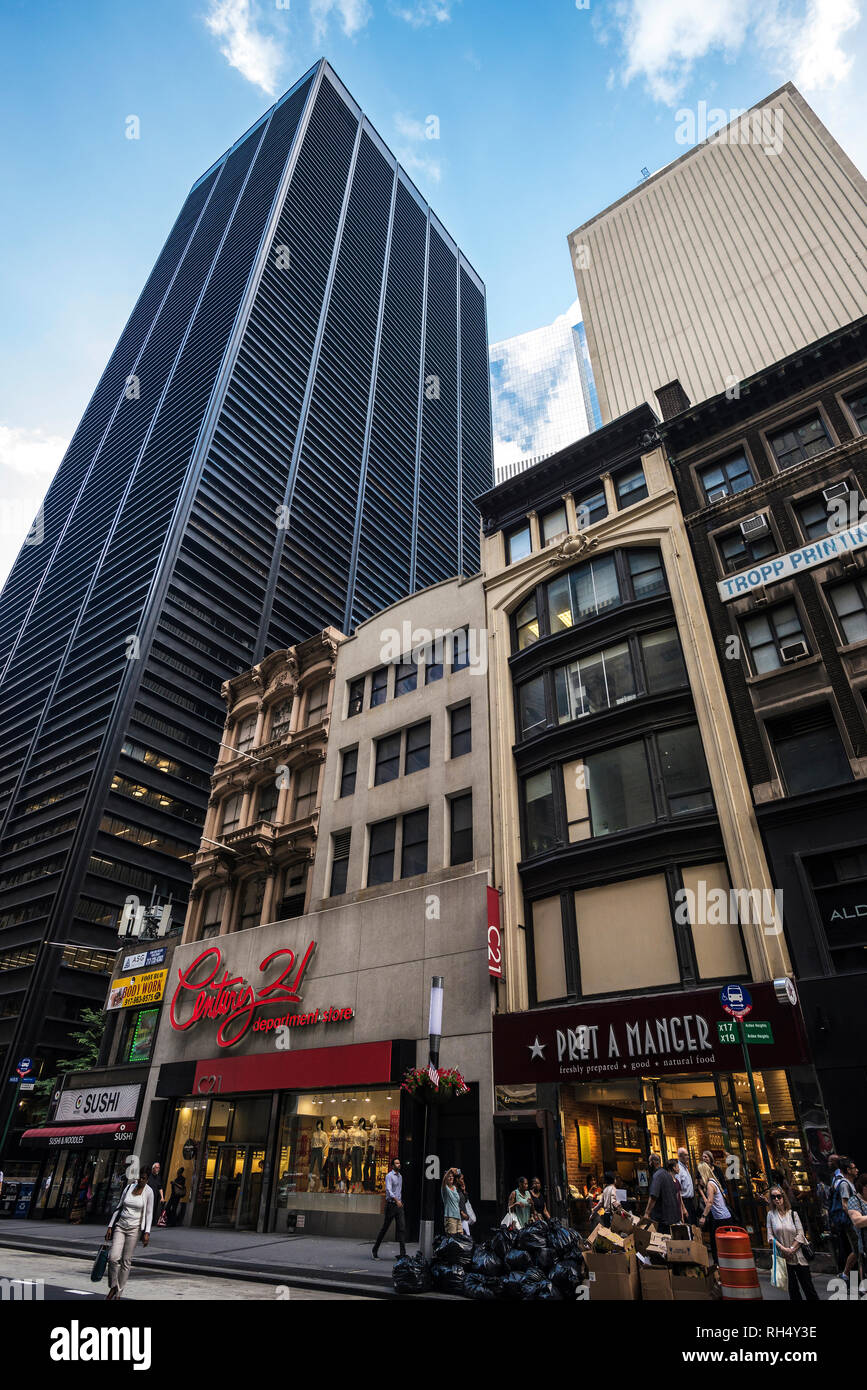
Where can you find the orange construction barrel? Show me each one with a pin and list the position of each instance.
(737, 1268)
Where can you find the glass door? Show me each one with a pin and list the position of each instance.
(226, 1194)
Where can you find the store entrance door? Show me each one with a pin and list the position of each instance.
(231, 1177)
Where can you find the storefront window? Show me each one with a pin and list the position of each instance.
(140, 1031)
(189, 1130)
(335, 1147)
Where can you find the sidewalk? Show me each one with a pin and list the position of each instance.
(311, 1261)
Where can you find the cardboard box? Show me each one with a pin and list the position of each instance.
(657, 1248)
(655, 1284)
(613, 1274)
(688, 1252)
(643, 1233)
(624, 1223)
(687, 1289)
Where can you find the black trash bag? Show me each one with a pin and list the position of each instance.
(502, 1241)
(548, 1293)
(454, 1250)
(496, 1287)
(410, 1274)
(448, 1278)
(532, 1282)
(563, 1242)
(531, 1239)
(519, 1260)
(546, 1260)
(486, 1262)
(566, 1276)
(513, 1283)
(477, 1286)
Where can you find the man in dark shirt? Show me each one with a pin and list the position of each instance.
(664, 1203)
(155, 1183)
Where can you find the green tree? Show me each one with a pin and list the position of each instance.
(87, 1038)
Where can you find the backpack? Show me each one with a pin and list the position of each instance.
(837, 1216)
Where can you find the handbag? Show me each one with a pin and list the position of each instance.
(779, 1269)
(510, 1221)
(164, 1220)
(808, 1249)
(98, 1270)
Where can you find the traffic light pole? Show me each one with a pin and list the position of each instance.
(742, 1033)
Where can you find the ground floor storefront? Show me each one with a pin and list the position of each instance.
(597, 1088)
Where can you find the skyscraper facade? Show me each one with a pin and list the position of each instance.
(300, 390)
(542, 392)
(745, 249)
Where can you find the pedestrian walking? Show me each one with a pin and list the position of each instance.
(610, 1202)
(179, 1192)
(843, 1232)
(784, 1227)
(858, 1206)
(393, 1210)
(537, 1196)
(686, 1185)
(664, 1203)
(130, 1222)
(521, 1203)
(155, 1184)
(454, 1211)
(716, 1211)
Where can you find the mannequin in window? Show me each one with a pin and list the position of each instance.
(371, 1145)
(338, 1140)
(318, 1156)
(330, 1165)
(357, 1144)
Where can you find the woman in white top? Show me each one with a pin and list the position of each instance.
(130, 1221)
(715, 1212)
(610, 1204)
(784, 1226)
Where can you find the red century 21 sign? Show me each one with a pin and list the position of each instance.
(495, 936)
(229, 997)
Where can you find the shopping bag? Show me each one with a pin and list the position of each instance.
(779, 1270)
(510, 1221)
(164, 1220)
(471, 1215)
(98, 1270)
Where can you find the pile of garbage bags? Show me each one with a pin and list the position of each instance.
(542, 1261)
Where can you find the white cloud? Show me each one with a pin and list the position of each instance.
(28, 461)
(409, 129)
(423, 12)
(802, 39)
(257, 55)
(353, 15)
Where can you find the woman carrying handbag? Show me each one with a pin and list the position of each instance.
(789, 1242)
(130, 1222)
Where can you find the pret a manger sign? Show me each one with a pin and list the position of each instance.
(214, 993)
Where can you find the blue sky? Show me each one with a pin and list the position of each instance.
(547, 113)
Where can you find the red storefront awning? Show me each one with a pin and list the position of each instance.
(81, 1136)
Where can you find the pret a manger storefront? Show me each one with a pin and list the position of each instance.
(655, 1073)
(279, 1062)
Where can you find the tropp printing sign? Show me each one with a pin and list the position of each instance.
(780, 567)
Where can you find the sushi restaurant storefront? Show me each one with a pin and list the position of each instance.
(598, 1087)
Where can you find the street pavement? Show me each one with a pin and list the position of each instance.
(66, 1278)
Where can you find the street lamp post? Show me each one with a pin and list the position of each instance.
(430, 1170)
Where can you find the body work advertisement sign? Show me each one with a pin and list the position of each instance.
(129, 990)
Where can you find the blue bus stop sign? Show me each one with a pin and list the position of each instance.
(736, 1000)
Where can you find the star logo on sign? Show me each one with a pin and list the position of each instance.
(537, 1049)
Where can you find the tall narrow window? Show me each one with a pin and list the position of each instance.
(539, 812)
(246, 733)
(268, 794)
(212, 913)
(433, 661)
(348, 769)
(460, 644)
(630, 485)
(380, 862)
(317, 703)
(461, 731)
(413, 857)
(387, 759)
(405, 677)
(461, 838)
(417, 755)
(231, 813)
(306, 787)
(379, 686)
(527, 624)
(355, 702)
(518, 543)
(554, 523)
(252, 897)
(340, 843)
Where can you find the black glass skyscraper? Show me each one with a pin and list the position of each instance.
(289, 434)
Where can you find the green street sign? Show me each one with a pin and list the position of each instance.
(727, 1031)
(758, 1032)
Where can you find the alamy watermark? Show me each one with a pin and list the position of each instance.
(718, 907)
(763, 127)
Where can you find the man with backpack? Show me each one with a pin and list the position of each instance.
(843, 1232)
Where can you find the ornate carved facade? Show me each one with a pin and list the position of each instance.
(253, 864)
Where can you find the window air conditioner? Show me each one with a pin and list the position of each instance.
(835, 490)
(716, 493)
(793, 651)
(755, 526)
